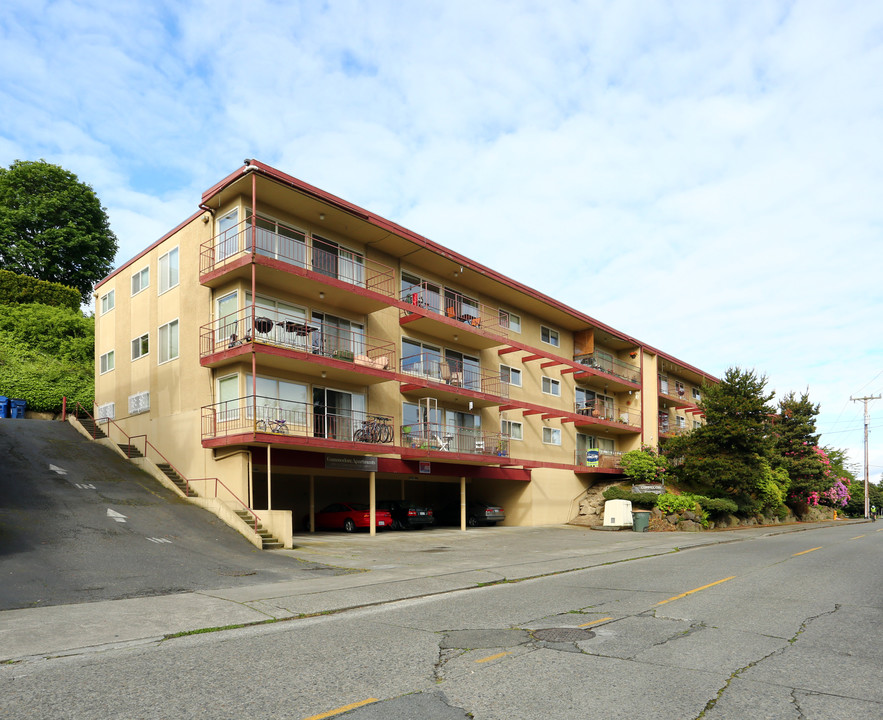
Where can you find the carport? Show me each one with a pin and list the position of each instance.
(309, 471)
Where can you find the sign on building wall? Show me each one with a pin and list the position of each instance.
(652, 488)
(351, 462)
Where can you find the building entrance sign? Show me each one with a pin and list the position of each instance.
(351, 462)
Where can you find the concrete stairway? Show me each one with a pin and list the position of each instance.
(170, 473)
(268, 542)
(92, 428)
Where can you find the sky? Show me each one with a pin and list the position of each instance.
(705, 177)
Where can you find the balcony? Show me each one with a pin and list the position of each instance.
(675, 393)
(607, 460)
(424, 439)
(452, 317)
(618, 375)
(668, 430)
(294, 424)
(452, 380)
(345, 278)
(297, 344)
(618, 418)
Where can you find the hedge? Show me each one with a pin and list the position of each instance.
(17, 289)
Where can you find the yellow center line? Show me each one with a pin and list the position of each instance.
(807, 551)
(493, 657)
(595, 622)
(339, 710)
(690, 592)
(857, 537)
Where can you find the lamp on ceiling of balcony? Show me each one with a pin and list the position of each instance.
(321, 295)
(321, 216)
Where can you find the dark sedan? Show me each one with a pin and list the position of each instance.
(407, 515)
(477, 513)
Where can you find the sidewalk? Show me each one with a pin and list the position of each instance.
(387, 567)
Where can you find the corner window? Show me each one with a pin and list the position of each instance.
(547, 335)
(168, 341)
(106, 362)
(514, 430)
(551, 436)
(140, 280)
(140, 346)
(107, 302)
(551, 386)
(510, 375)
(697, 396)
(510, 321)
(168, 271)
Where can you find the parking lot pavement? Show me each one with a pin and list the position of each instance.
(387, 567)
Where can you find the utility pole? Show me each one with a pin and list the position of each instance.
(867, 422)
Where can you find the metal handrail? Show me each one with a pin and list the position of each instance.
(602, 410)
(610, 366)
(472, 441)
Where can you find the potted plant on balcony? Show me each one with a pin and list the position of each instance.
(347, 355)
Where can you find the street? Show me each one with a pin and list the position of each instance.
(776, 626)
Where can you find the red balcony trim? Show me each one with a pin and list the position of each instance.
(408, 387)
(525, 412)
(532, 357)
(503, 351)
(553, 363)
(569, 370)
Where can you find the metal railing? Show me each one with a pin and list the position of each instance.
(455, 373)
(435, 436)
(300, 249)
(610, 412)
(610, 459)
(671, 429)
(675, 388)
(271, 327)
(276, 416)
(145, 451)
(427, 297)
(611, 366)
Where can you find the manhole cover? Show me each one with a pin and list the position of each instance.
(557, 635)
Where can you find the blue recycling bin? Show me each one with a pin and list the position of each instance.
(18, 409)
(4, 406)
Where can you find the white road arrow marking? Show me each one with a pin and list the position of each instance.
(159, 540)
(56, 469)
(116, 516)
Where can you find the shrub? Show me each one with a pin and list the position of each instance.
(644, 466)
(18, 289)
(616, 492)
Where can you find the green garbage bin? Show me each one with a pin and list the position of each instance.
(640, 520)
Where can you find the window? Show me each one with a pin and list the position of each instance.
(682, 421)
(510, 320)
(510, 375)
(549, 336)
(140, 280)
(168, 341)
(168, 270)
(551, 387)
(140, 346)
(106, 362)
(514, 430)
(697, 424)
(108, 410)
(551, 436)
(139, 403)
(228, 398)
(697, 396)
(107, 302)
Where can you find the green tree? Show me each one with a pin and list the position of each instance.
(729, 455)
(53, 227)
(796, 446)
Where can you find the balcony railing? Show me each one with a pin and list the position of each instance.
(437, 437)
(460, 308)
(455, 374)
(299, 249)
(611, 366)
(669, 429)
(676, 389)
(610, 412)
(276, 416)
(277, 328)
(610, 459)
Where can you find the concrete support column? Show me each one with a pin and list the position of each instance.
(269, 481)
(312, 503)
(463, 503)
(372, 502)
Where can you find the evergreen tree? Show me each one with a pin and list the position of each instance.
(730, 455)
(796, 445)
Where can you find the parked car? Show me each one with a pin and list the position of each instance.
(407, 515)
(478, 512)
(349, 516)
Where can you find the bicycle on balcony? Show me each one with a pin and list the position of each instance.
(278, 427)
(375, 429)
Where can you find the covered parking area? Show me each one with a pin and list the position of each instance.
(303, 482)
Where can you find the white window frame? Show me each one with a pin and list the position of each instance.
(106, 362)
(697, 396)
(551, 436)
(554, 337)
(509, 374)
(507, 426)
(506, 320)
(680, 421)
(164, 349)
(143, 346)
(142, 283)
(224, 414)
(553, 385)
(108, 301)
(170, 275)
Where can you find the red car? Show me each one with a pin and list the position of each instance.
(349, 516)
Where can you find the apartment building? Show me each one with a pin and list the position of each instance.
(284, 349)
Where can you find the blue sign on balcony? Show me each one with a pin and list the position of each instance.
(593, 458)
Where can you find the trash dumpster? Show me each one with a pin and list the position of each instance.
(641, 520)
(4, 406)
(17, 409)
